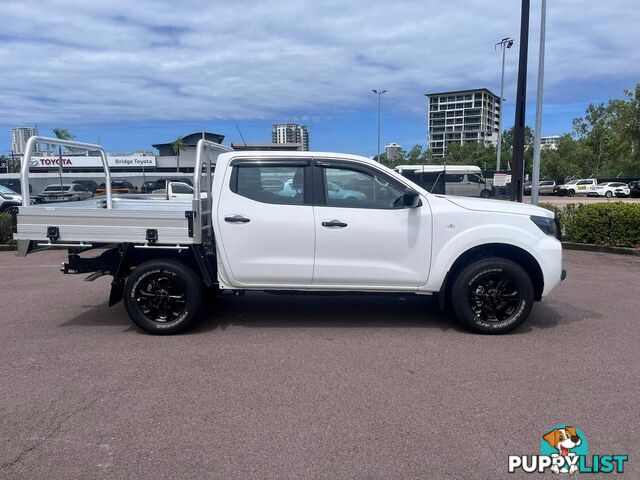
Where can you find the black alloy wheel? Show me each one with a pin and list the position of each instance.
(492, 295)
(163, 296)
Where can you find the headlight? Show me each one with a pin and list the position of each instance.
(550, 226)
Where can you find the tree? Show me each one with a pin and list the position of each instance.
(178, 146)
(62, 134)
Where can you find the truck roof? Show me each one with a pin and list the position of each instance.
(440, 168)
(295, 154)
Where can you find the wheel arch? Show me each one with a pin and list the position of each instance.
(504, 250)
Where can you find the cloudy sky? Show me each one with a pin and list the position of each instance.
(138, 72)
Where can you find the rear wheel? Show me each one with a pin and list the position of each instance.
(492, 295)
(608, 194)
(162, 296)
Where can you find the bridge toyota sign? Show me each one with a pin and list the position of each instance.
(115, 161)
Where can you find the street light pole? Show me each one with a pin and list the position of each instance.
(379, 93)
(517, 170)
(535, 174)
(504, 44)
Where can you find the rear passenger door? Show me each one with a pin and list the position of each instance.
(265, 220)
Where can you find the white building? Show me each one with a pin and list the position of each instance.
(550, 141)
(463, 116)
(290, 133)
(19, 137)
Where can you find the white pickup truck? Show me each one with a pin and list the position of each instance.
(581, 186)
(301, 222)
(175, 190)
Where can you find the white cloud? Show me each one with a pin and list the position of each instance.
(88, 62)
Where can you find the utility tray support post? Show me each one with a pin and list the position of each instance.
(31, 143)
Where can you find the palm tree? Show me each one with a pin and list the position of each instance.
(62, 134)
(178, 145)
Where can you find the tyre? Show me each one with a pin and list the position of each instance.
(571, 193)
(608, 194)
(162, 296)
(485, 193)
(492, 295)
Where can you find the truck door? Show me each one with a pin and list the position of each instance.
(265, 220)
(364, 234)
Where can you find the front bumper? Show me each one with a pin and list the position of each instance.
(549, 256)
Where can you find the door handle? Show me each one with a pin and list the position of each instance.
(334, 223)
(237, 219)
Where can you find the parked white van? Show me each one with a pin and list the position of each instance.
(461, 180)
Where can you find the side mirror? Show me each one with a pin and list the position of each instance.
(411, 198)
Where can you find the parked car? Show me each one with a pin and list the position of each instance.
(117, 186)
(14, 185)
(609, 189)
(8, 199)
(66, 192)
(545, 187)
(334, 191)
(150, 185)
(634, 188)
(176, 190)
(89, 185)
(463, 180)
(580, 186)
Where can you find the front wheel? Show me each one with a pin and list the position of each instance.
(485, 193)
(570, 193)
(492, 295)
(162, 296)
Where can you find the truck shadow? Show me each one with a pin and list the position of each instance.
(549, 314)
(261, 310)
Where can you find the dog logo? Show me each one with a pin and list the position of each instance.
(563, 441)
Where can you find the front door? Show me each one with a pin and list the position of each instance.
(364, 234)
(266, 222)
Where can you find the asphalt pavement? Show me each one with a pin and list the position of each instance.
(279, 387)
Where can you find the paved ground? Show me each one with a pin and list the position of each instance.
(309, 387)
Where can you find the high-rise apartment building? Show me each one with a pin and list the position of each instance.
(290, 133)
(462, 117)
(19, 137)
(550, 141)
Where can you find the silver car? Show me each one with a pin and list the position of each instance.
(66, 192)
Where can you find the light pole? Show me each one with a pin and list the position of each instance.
(379, 93)
(504, 44)
(535, 174)
(517, 170)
